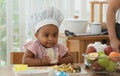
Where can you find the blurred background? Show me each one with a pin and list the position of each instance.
(14, 21)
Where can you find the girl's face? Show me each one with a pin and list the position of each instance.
(48, 35)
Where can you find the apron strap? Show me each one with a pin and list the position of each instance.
(118, 30)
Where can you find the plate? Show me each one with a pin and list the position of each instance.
(75, 74)
(32, 73)
(86, 34)
(78, 74)
(90, 34)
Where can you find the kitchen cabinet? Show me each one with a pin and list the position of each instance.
(77, 44)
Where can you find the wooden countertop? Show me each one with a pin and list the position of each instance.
(89, 37)
(84, 37)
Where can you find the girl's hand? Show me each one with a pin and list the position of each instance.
(54, 61)
(45, 60)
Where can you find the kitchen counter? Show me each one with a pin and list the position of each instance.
(78, 44)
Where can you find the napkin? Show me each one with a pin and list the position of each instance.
(52, 54)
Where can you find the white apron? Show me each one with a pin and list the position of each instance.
(118, 16)
(118, 24)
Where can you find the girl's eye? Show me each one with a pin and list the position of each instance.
(46, 35)
(55, 35)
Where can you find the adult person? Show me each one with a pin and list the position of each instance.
(113, 23)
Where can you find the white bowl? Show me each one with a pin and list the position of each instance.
(74, 25)
(32, 73)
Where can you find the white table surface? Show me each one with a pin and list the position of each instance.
(8, 71)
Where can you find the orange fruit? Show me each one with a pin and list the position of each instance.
(114, 56)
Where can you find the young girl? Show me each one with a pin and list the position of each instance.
(46, 50)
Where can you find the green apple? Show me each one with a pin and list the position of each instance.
(104, 61)
(111, 67)
(102, 54)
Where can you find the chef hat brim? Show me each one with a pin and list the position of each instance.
(45, 22)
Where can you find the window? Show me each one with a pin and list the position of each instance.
(2, 32)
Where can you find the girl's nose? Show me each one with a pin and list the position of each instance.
(51, 38)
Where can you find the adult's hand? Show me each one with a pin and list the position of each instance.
(115, 45)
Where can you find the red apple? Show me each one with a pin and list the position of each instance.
(107, 50)
(96, 67)
(90, 49)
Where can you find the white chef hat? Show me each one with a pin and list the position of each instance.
(49, 15)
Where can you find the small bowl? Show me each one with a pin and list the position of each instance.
(20, 67)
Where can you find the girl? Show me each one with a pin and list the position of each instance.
(46, 50)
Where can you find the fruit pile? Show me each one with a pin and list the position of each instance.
(102, 59)
(69, 68)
